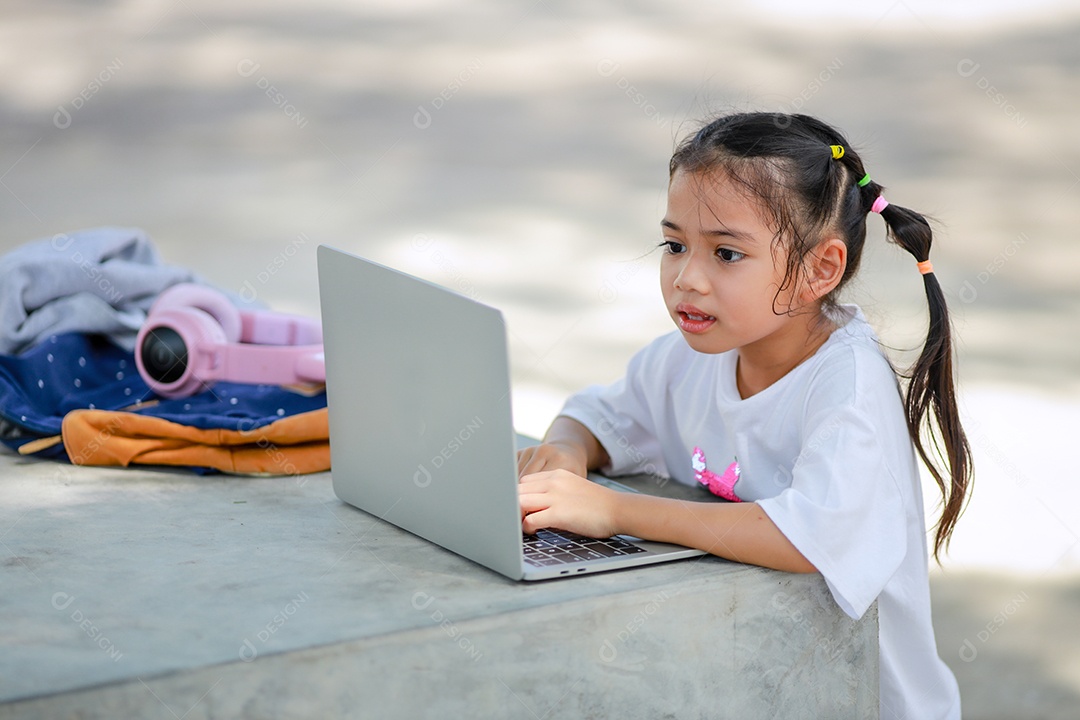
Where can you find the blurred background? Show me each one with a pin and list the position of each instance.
(517, 152)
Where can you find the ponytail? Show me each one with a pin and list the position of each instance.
(930, 402)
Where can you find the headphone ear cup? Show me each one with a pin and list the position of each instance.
(178, 351)
(210, 301)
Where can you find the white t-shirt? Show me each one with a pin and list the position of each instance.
(825, 452)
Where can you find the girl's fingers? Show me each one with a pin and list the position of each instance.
(546, 457)
(534, 465)
(536, 481)
(533, 502)
(533, 505)
(535, 521)
(523, 458)
(530, 462)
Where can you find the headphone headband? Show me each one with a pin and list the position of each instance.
(272, 328)
(193, 336)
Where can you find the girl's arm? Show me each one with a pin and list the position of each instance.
(567, 445)
(737, 531)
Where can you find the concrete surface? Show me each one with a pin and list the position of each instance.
(155, 594)
(517, 152)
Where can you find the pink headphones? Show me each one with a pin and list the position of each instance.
(194, 335)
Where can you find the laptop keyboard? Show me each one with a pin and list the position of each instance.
(556, 547)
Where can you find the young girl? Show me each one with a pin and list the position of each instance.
(776, 397)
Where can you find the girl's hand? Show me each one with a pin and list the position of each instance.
(552, 456)
(561, 499)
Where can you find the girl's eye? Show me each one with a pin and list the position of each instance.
(673, 248)
(728, 255)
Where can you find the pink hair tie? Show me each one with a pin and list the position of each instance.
(880, 204)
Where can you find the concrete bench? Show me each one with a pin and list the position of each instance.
(157, 594)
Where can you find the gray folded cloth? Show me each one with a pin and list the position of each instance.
(93, 281)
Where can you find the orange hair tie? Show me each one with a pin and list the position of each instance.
(925, 267)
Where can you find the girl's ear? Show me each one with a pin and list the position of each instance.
(825, 267)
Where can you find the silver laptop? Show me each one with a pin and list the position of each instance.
(421, 435)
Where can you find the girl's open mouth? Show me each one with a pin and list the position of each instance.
(693, 320)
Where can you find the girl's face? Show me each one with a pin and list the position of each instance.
(720, 272)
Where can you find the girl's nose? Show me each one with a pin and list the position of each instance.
(691, 277)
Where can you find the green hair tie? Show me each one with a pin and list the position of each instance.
(865, 180)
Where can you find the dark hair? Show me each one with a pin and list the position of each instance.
(786, 162)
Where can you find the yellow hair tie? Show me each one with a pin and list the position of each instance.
(837, 151)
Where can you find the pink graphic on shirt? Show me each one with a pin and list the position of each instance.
(721, 485)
